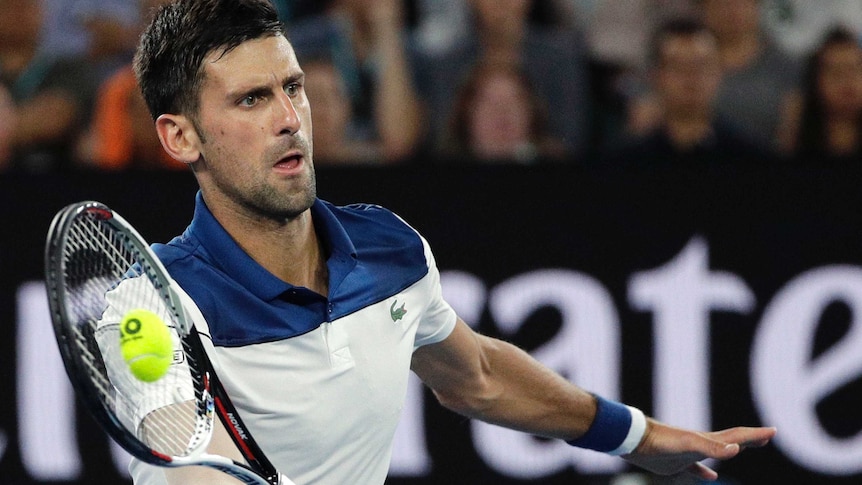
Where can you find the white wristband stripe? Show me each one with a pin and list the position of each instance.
(635, 434)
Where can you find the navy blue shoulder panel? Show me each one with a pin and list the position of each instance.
(372, 255)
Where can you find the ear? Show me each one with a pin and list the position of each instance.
(179, 137)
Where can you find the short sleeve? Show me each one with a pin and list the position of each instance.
(439, 317)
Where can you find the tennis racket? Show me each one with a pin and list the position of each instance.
(97, 268)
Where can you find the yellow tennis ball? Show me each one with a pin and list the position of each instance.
(146, 344)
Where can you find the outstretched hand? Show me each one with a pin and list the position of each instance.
(666, 450)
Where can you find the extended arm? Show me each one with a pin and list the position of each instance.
(496, 382)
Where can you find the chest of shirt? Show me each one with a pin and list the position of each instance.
(351, 369)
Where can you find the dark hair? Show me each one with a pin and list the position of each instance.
(677, 27)
(169, 59)
(811, 139)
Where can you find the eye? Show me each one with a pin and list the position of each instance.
(292, 89)
(249, 100)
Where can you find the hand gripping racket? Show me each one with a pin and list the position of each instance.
(97, 268)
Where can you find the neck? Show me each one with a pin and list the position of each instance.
(290, 249)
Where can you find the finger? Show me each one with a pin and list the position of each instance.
(703, 472)
(753, 444)
(728, 443)
(746, 436)
(722, 451)
(757, 443)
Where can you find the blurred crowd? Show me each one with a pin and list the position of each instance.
(629, 82)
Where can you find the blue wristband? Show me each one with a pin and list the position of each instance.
(610, 427)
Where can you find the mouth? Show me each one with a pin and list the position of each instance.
(291, 163)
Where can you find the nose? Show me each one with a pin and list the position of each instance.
(287, 120)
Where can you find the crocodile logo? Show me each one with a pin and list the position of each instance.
(397, 313)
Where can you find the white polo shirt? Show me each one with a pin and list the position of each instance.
(319, 381)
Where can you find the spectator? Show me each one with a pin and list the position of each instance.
(101, 33)
(499, 118)
(76, 28)
(617, 34)
(337, 140)
(121, 135)
(830, 125)
(618, 31)
(440, 24)
(686, 73)
(554, 60)
(52, 96)
(760, 80)
(366, 38)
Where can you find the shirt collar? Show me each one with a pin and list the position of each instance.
(225, 253)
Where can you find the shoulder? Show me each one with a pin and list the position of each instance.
(381, 241)
(183, 254)
(361, 212)
(373, 224)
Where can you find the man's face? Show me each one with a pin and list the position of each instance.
(254, 125)
(688, 74)
(501, 117)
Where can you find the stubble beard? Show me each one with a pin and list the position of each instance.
(264, 200)
(272, 203)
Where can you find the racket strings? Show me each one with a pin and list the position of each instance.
(170, 431)
(105, 276)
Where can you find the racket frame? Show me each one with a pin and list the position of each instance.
(214, 399)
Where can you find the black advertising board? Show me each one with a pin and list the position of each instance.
(711, 296)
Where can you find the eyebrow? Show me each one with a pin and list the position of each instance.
(295, 77)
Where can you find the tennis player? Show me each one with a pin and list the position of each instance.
(316, 313)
